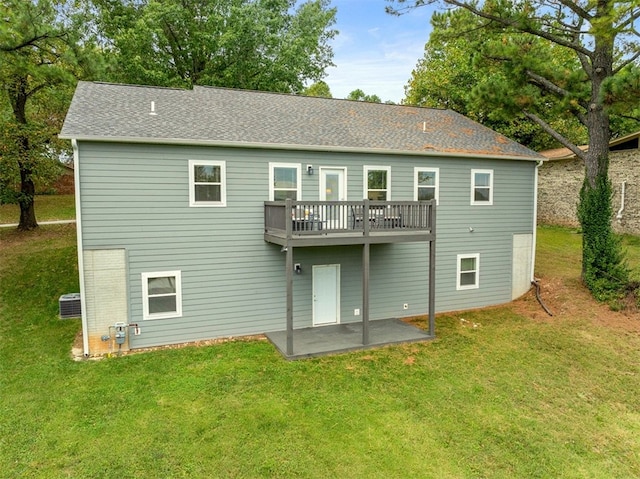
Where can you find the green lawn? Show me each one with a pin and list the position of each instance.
(511, 397)
(48, 208)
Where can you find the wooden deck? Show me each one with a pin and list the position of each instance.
(324, 223)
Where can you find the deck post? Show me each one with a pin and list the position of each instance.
(365, 291)
(289, 267)
(289, 275)
(432, 272)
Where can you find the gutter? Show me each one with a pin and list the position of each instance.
(83, 302)
(535, 221)
(619, 215)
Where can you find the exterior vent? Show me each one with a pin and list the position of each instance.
(70, 306)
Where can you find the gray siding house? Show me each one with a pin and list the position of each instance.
(213, 212)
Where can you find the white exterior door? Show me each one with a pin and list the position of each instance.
(333, 187)
(326, 294)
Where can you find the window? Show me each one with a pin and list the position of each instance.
(207, 181)
(426, 184)
(284, 181)
(481, 187)
(161, 295)
(377, 181)
(468, 271)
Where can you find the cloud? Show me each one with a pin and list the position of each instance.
(374, 51)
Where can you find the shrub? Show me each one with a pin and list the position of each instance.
(604, 270)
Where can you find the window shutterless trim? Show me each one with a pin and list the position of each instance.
(192, 183)
(365, 170)
(145, 295)
(298, 188)
(436, 187)
(474, 186)
(476, 271)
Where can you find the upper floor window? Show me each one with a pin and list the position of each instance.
(481, 187)
(207, 183)
(468, 276)
(426, 184)
(377, 183)
(284, 181)
(161, 295)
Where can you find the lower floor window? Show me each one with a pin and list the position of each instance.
(468, 271)
(161, 295)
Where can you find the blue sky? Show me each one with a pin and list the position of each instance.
(374, 51)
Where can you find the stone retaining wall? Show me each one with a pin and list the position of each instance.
(559, 188)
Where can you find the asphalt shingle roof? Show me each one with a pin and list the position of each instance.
(208, 115)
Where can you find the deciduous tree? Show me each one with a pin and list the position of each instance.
(359, 95)
(274, 45)
(319, 89)
(36, 76)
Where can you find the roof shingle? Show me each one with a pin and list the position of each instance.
(209, 115)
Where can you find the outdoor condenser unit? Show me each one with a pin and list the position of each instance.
(70, 306)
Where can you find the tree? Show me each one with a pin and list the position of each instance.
(457, 66)
(34, 67)
(319, 89)
(274, 45)
(359, 95)
(602, 37)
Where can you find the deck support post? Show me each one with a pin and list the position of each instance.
(365, 292)
(289, 267)
(432, 274)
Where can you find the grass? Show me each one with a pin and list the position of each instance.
(48, 208)
(510, 397)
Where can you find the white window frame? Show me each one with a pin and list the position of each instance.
(192, 183)
(366, 169)
(476, 285)
(419, 169)
(145, 295)
(298, 168)
(473, 187)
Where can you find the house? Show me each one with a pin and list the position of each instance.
(561, 178)
(214, 212)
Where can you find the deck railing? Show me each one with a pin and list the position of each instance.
(300, 218)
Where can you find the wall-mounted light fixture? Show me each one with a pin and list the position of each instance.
(297, 268)
(310, 169)
(471, 230)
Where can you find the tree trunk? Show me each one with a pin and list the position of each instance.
(603, 271)
(18, 94)
(27, 195)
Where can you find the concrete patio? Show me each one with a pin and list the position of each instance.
(340, 338)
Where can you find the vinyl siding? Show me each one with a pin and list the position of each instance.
(136, 197)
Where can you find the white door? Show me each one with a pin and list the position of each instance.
(333, 187)
(326, 294)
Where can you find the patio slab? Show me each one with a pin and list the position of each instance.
(340, 338)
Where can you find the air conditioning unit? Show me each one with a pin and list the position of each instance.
(70, 306)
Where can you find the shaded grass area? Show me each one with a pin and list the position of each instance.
(48, 208)
(496, 395)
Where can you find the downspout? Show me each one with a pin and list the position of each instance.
(619, 215)
(83, 302)
(535, 221)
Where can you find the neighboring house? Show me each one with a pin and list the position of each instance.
(562, 175)
(213, 212)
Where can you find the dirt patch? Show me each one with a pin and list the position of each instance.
(569, 299)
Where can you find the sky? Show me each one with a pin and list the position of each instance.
(374, 51)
